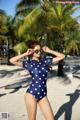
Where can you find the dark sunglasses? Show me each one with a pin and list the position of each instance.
(37, 51)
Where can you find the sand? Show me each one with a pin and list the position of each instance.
(63, 94)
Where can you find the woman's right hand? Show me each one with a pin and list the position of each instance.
(29, 52)
(15, 60)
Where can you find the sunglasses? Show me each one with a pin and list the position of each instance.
(37, 51)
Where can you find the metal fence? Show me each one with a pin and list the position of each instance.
(3, 54)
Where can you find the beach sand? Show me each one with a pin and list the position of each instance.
(63, 94)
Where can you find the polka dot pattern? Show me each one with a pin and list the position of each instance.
(39, 71)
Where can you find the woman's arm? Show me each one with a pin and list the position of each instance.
(16, 60)
(59, 56)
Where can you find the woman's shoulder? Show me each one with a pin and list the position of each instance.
(47, 59)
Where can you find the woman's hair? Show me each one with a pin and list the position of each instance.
(31, 44)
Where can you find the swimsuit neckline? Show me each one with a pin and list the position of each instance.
(35, 60)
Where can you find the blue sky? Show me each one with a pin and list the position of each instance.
(10, 5)
(77, 13)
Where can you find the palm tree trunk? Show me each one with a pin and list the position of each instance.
(60, 69)
(60, 65)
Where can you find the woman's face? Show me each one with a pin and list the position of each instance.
(37, 52)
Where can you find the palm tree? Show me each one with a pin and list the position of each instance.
(26, 6)
(48, 17)
(23, 8)
(72, 41)
(6, 32)
(3, 28)
(62, 21)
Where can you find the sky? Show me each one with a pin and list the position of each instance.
(10, 5)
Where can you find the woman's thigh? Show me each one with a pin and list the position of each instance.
(46, 108)
(31, 106)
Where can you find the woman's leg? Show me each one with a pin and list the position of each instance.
(31, 106)
(46, 108)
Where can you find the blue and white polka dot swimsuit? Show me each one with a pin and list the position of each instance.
(38, 71)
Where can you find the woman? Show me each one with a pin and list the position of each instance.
(38, 68)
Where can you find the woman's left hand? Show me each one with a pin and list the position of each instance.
(46, 49)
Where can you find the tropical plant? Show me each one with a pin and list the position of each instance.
(3, 28)
(48, 18)
(72, 40)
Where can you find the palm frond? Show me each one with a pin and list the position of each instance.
(72, 45)
(20, 47)
(29, 20)
(2, 12)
